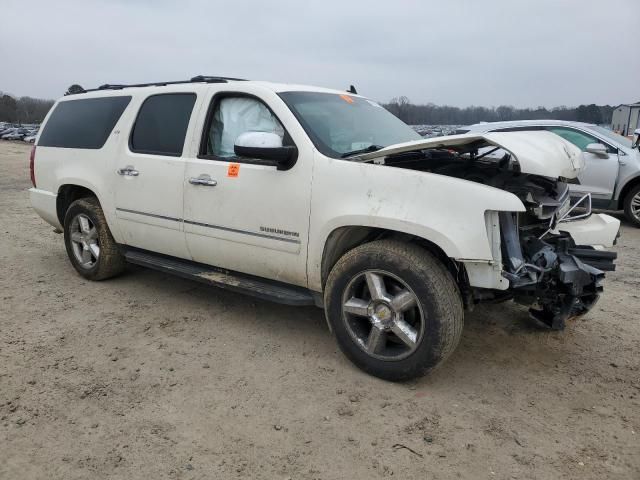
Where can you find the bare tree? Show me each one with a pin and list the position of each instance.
(23, 109)
(8, 108)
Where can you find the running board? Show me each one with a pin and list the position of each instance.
(238, 282)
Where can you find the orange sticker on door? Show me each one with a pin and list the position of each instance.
(233, 170)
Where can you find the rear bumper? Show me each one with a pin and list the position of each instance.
(44, 203)
(599, 230)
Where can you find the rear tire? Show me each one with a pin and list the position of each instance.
(90, 246)
(410, 323)
(632, 206)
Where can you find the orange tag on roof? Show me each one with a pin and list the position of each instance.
(233, 170)
(347, 98)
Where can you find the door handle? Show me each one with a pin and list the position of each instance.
(128, 171)
(204, 180)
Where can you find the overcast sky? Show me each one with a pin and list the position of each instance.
(456, 52)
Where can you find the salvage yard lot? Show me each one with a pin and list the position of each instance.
(152, 376)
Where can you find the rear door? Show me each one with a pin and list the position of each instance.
(149, 175)
(600, 173)
(242, 214)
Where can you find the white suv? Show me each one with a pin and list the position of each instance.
(304, 195)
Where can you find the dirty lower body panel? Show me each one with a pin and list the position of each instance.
(247, 284)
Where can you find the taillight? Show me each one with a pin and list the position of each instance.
(32, 170)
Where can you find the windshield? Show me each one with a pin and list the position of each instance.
(624, 141)
(340, 125)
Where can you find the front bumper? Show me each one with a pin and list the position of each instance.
(559, 274)
(572, 287)
(599, 230)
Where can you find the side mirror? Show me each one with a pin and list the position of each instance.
(597, 149)
(265, 146)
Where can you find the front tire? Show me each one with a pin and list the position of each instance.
(632, 206)
(395, 309)
(90, 246)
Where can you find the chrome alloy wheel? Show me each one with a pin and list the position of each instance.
(635, 206)
(382, 314)
(84, 241)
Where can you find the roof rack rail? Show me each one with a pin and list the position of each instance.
(196, 79)
(214, 79)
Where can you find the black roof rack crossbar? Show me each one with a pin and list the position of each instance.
(214, 79)
(196, 79)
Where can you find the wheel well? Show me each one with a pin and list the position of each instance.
(630, 185)
(343, 239)
(67, 194)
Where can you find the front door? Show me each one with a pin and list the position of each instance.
(600, 173)
(240, 213)
(150, 174)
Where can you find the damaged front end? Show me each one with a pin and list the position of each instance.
(549, 273)
(535, 251)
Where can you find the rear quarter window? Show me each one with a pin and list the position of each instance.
(162, 123)
(83, 123)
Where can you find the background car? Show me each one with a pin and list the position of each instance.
(612, 173)
(6, 129)
(17, 134)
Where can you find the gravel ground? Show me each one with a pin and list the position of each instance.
(151, 376)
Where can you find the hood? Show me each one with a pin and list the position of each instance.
(537, 152)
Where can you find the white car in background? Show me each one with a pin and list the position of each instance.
(16, 134)
(612, 162)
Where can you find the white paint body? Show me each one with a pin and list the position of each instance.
(247, 216)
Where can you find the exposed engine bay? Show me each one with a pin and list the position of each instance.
(546, 270)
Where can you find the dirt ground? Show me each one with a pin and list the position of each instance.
(150, 376)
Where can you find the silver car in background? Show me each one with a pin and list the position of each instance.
(612, 173)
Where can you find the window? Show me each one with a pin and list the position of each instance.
(340, 125)
(162, 122)
(234, 115)
(613, 136)
(83, 123)
(579, 139)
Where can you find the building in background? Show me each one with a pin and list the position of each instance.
(626, 118)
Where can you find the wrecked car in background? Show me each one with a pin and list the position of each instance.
(304, 195)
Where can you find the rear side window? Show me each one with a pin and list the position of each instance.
(84, 123)
(162, 122)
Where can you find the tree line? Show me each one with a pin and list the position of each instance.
(23, 109)
(33, 110)
(431, 114)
